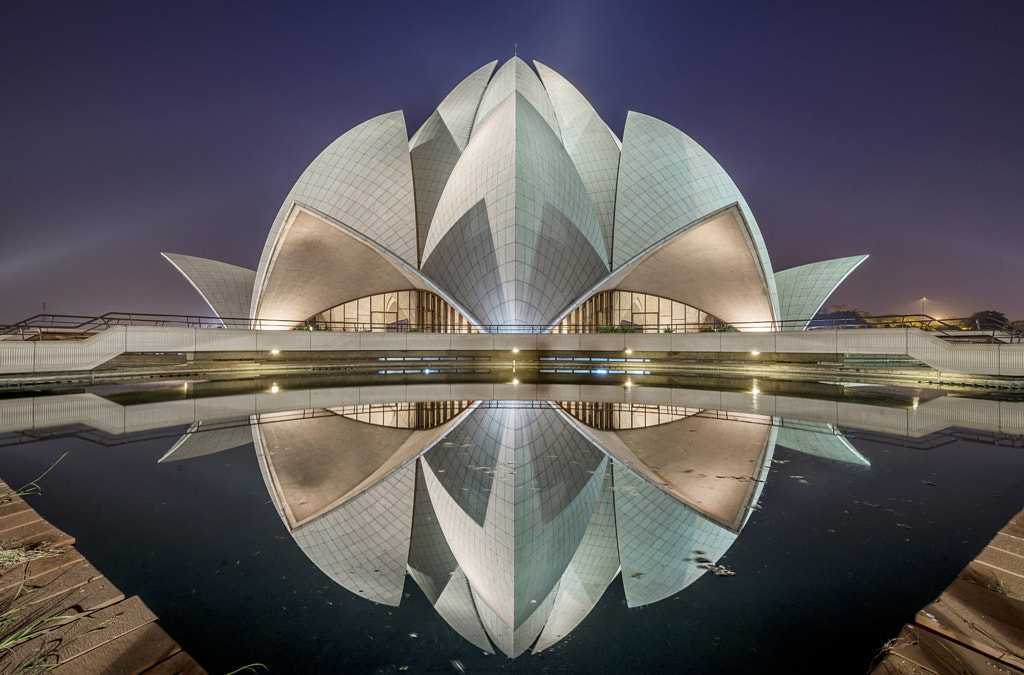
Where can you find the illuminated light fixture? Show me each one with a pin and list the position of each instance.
(628, 383)
(629, 351)
(515, 350)
(515, 381)
(754, 352)
(755, 391)
(275, 351)
(601, 371)
(273, 388)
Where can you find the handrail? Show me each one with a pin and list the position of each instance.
(78, 327)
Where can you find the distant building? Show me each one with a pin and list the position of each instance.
(514, 207)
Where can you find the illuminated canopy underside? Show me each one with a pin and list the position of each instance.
(318, 264)
(712, 266)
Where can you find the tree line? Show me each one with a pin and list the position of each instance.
(986, 319)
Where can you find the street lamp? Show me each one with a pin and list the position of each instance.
(922, 305)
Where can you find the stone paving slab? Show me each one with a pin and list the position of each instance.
(919, 651)
(1008, 543)
(27, 574)
(87, 632)
(988, 621)
(132, 653)
(74, 619)
(46, 586)
(1014, 529)
(994, 578)
(179, 664)
(978, 621)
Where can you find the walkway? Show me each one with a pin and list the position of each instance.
(60, 612)
(977, 624)
(46, 357)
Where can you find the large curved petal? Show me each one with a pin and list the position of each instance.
(459, 108)
(363, 180)
(591, 570)
(593, 147)
(434, 154)
(803, 290)
(227, 289)
(667, 183)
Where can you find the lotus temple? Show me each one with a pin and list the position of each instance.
(514, 207)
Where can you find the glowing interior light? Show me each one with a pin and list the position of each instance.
(629, 351)
(628, 383)
(275, 351)
(755, 352)
(515, 350)
(515, 381)
(273, 388)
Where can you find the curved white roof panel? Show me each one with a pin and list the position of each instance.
(667, 183)
(227, 289)
(363, 181)
(459, 108)
(434, 153)
(804, 289)
(593, 147)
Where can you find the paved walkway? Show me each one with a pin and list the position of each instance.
(60, 612)
(977, 624)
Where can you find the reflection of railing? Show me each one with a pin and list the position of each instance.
(84, 432)
(72, 327)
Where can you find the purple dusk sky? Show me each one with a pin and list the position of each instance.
(890, 128)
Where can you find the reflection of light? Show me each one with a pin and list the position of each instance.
(755, 390)
(275, 351)
(186, 387)
(628, 383)
(629, 351)
(916, 401)
(273, 388)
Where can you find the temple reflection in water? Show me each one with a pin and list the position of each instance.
(513, 517)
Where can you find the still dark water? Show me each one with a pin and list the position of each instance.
(836, 560)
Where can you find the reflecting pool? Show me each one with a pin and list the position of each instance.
(569, 527)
